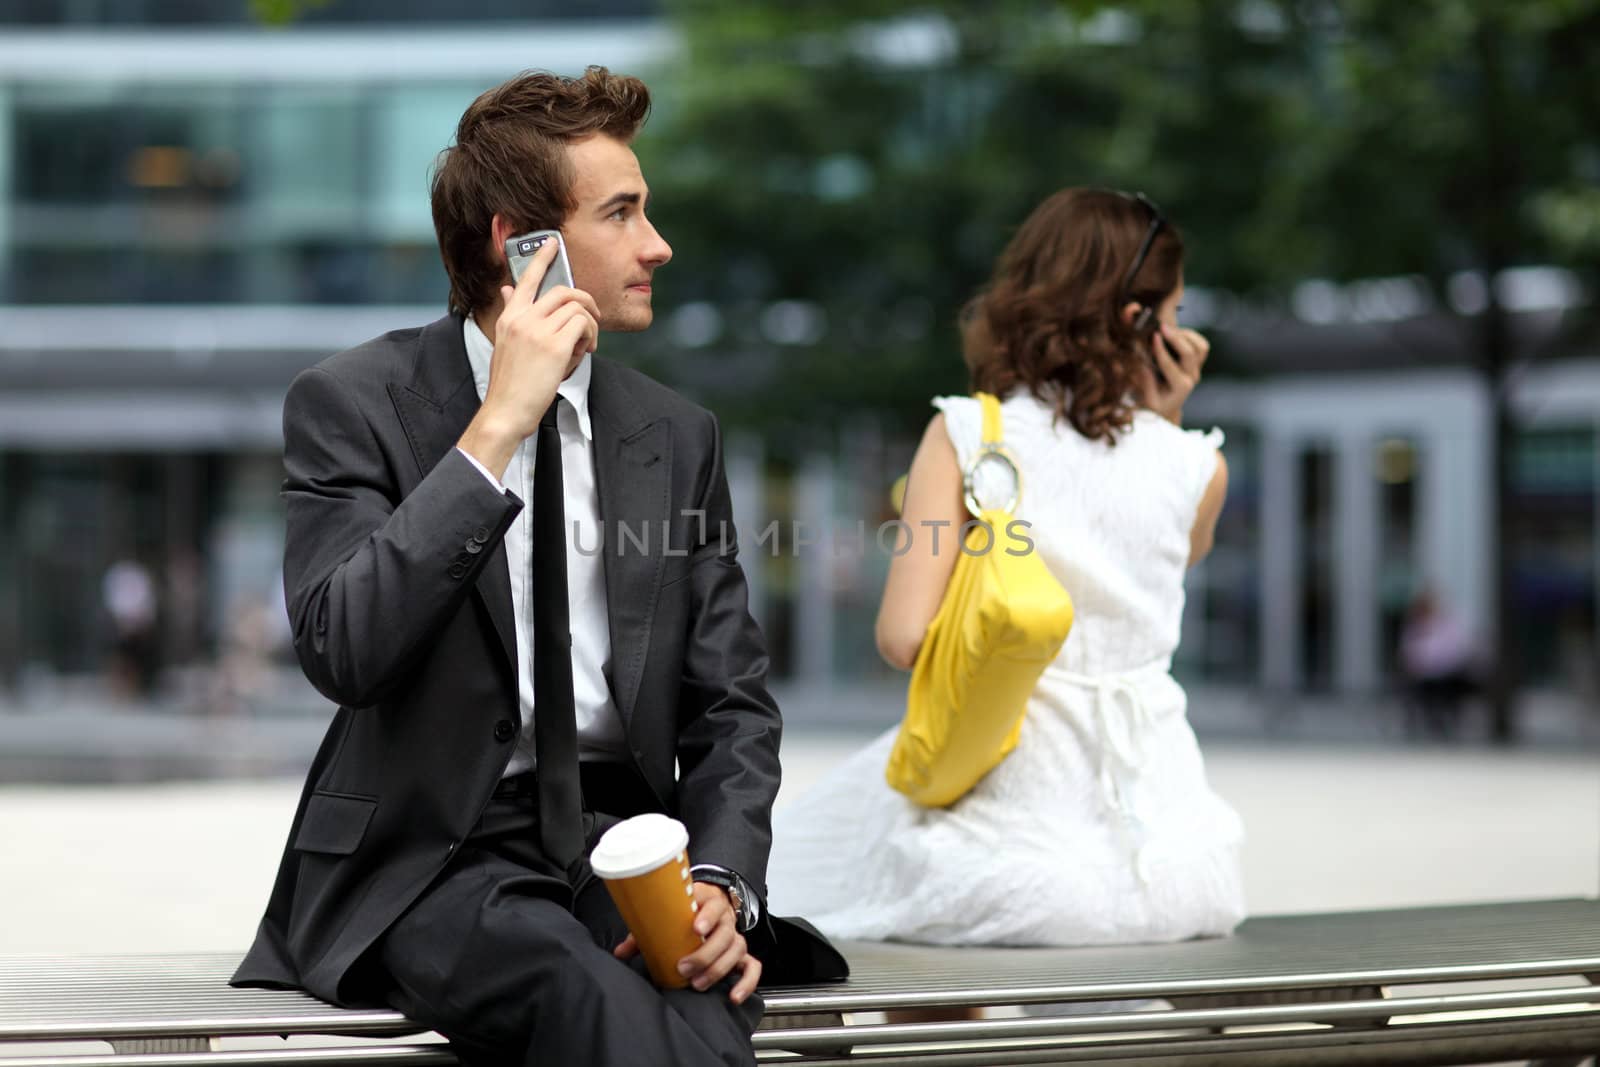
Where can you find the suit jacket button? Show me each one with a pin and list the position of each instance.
(504, 730)
(482, 535)
(458, 570)
(473, 547)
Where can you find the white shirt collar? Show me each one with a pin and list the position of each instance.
(575, 390)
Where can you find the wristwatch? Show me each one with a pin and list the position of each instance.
(744, 905)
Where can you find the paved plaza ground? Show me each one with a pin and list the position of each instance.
(77, 732)
(148, 827)
(186, 865)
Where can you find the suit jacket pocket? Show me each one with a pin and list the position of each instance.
(674, 575)
(334, 823)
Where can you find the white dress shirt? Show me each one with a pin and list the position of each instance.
(600, 733)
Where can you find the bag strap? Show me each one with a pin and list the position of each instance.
(992, 446)
(993, 428)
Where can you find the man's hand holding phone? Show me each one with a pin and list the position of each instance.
(537, 343)
(1178, 354)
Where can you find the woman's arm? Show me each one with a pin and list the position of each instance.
(934, 511)
(1203, 533)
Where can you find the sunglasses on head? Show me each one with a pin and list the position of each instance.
(1157, 221)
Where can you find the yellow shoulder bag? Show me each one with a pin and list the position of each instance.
(1001, 622)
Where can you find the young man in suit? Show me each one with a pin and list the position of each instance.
(506, 690)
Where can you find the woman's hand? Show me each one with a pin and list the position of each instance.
(1179, 353)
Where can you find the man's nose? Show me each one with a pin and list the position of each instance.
(656, 250)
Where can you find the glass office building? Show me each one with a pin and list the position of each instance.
(194, 206)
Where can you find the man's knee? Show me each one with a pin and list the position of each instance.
(713, 1011)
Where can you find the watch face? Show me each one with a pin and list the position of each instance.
(736, 898)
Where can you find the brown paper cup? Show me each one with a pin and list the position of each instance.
(645, 864)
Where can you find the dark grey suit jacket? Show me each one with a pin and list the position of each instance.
(400, 600)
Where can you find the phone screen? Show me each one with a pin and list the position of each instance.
(520, 251)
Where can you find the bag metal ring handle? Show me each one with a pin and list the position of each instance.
(969, 477)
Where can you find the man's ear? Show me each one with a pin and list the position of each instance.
(499, 233)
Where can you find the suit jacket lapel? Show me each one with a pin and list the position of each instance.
(435, 404)
(633, 480)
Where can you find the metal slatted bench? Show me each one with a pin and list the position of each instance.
(1413, 986)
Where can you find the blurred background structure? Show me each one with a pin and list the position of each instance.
(1393, 221)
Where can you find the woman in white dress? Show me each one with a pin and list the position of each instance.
(1099, 827)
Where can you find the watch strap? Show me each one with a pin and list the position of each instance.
(749, 911)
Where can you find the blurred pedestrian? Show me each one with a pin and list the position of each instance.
(184, 603)
(244, 657)
(1438, 659)
(129, 595)
(1099, 826)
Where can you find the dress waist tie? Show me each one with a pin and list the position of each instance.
(1123, 720)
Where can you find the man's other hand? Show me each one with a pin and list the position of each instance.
(723, 952)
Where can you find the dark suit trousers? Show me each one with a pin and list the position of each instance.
(512, 962)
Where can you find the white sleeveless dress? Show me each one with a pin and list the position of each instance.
(1099, 828)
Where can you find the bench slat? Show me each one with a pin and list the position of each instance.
(1512, 1040)
(1373, 948)
(378, 1055)
(1580, 1000)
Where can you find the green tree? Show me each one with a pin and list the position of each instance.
(871, 160)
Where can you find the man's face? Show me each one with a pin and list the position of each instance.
(612, 245)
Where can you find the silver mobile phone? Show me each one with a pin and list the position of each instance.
(520, 250)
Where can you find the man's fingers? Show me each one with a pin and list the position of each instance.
(561, 295)
(725, 949)
(626, 949)
(732, 953)
(579, 327)
(716, 944)
(566, 314)
(747, 981)
(534, 272)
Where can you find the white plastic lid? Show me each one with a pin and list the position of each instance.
(637, 845)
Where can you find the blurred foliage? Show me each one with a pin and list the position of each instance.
(283, 12)
(872, 157)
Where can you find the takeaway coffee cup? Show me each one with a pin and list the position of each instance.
(645, 864)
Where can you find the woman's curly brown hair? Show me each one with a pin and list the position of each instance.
(1051, 317)
(509, 158)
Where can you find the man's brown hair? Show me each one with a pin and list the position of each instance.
(509, 158)
(1050, 321)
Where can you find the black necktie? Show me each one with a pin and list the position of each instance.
(555, 728)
